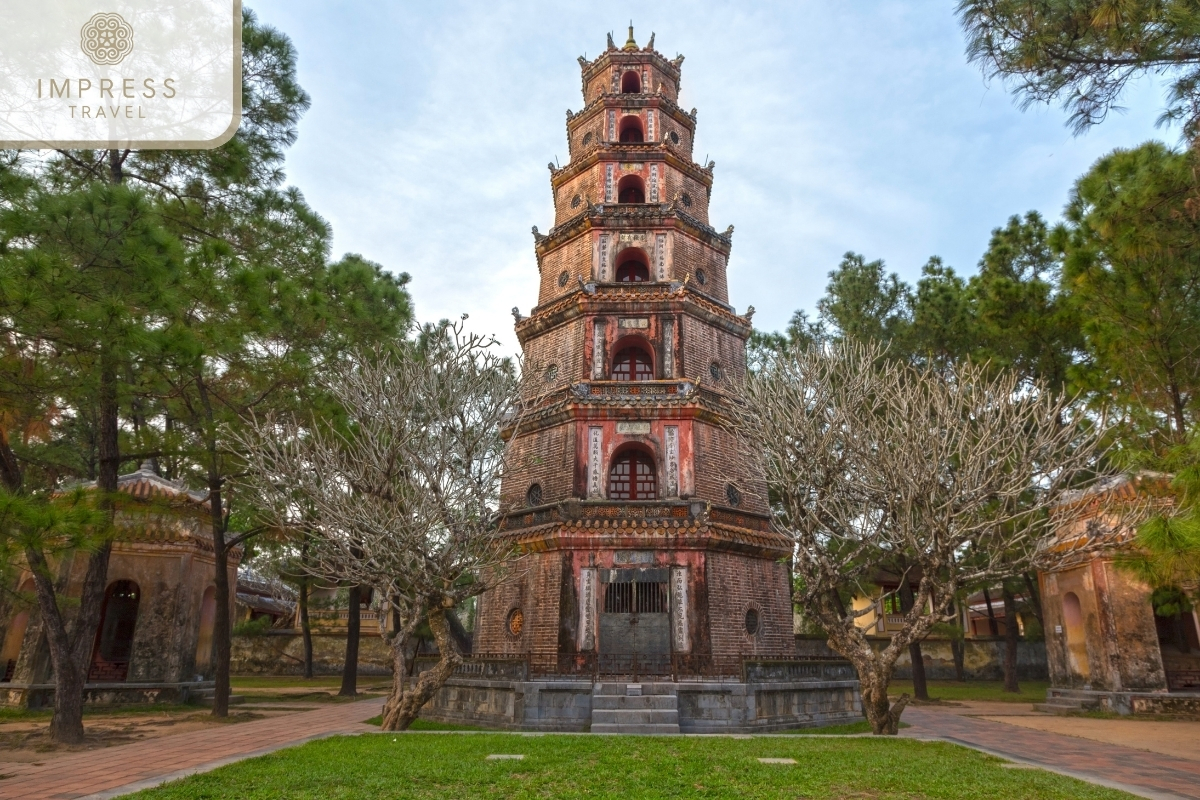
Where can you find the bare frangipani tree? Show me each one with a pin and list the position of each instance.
(402, 495)
(956, 474)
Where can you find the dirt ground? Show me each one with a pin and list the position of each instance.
(28, 740)
(1179, 738)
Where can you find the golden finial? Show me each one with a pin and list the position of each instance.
(630, 44)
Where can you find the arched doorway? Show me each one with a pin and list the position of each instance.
(632, 266)
(632, 363)
(114, 638)
(631, 83)
(1076, 635)
(208, 618)
(631, 189)
(631, 129)
(15, 636)
(632, 476)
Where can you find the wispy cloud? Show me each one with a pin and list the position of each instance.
(834, 126)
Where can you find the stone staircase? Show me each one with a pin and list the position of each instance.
(638, 708)
(1066, 701)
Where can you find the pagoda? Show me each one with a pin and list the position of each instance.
(653, 595)
(651, 552)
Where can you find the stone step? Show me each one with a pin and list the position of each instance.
(635, 730)
(645, 701)
(1060, 706)
(624, 717)
(632, 689)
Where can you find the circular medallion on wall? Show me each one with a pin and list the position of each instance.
(576, 201)
(587, 138)
(732, 495)
(714, 369)
(752, 621)
(551, 373)
(686, 199)
(516, 622)
(701, 277)
(563, 277)
(674, 137)
(533, 497)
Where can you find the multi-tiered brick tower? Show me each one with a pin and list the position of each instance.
(651, 552)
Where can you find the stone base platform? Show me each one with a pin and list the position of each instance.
(1074, 701)
(41, 695)
(696, 706)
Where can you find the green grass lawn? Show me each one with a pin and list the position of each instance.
(454, 766)
(829, 730)
(1031, 691)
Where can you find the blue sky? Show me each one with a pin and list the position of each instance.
(835, 126)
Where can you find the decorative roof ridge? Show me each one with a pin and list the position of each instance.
(608, 291)
(145, 481)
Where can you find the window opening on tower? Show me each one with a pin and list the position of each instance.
(631, 83)
(632, 266)
(631, 129)
(630, 189)
(631, 476)
(632, 364)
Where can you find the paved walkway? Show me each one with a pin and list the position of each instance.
(1139, 772)
(118, 770)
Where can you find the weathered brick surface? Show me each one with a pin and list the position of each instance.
(544, 457)
(704, 345)
(737, 584)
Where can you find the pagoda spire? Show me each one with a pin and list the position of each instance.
(630, 44)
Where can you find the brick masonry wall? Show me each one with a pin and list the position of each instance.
(703, 344)
(677, 183)
(736, 584)
(715, 468)
(691, 255)
(535, 588)
(575, 257)
(545, 457)
(563, 347)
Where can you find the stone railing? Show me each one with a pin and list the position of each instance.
(797, 670)
(483, 666)
(689, 511)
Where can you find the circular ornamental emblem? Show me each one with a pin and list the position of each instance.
(106, 39)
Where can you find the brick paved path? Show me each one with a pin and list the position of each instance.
(125, 768)
(1136, 771)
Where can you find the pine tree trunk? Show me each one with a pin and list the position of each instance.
(992, 625)
(1010, 642)
(920, 685)
(1035, 600)
(221, 623)
(305, 628)
(958, 646)
(222, 633)
(350, 668)
(71, 652)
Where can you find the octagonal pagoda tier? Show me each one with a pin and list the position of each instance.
(650, 546)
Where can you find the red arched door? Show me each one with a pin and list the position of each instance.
(114, 637)
(631, 477)
(632, 364)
